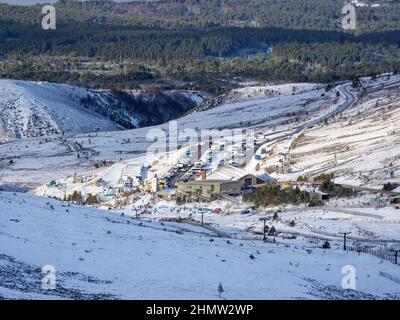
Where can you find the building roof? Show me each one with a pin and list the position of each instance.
(208, 181)
(132, 170)
(228, 173)
(265, 177)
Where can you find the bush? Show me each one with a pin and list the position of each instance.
(326, 245)
(274, 195)
(390, 186)
(316, 203)
(328, 186)
(272, 232)
(180, 200)
(91, 199)
(344, 192)
(76, 197)
(302, 179)
(395, 200)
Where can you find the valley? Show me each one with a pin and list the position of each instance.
(200, 150)
(114, 190)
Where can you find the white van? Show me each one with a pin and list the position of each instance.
(198, 165)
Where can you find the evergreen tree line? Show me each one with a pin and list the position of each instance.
(197, 44)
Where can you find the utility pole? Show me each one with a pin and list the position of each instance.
(396, 255)
(264, 219)
(344, 233)
(202, 218)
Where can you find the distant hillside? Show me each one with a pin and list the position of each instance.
(291, 14)
(205, 45)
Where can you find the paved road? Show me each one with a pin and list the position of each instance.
(351, 98)
(344, 89)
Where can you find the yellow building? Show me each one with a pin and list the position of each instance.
(227, 180)
(209, 188)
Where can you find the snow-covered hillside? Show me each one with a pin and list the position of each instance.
(40, 160)
(303, 129)
(361, 146)
(97, 254)
(30, 109)
(36, 109)
(257, 91)
(314, 129)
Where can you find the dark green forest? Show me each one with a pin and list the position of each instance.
(208, 45)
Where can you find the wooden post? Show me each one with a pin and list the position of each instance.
(264, 219)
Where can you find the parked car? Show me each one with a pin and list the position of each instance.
(198, 165)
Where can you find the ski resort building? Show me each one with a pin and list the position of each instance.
(209, 188)
(131, 177)
(226, 180)
(230, 173)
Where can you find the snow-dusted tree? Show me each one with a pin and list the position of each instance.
(272, 232)
(220, 289)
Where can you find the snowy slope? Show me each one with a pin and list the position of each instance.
(255, 92)
(290, 121)
(100, 255)
(35, 109)
(30, 109)
(361, 147)
(360, 143)
(39, 160)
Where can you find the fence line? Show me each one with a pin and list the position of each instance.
(340, 210)
(376, 241)
(389, 276)
(379, 254)
(304, 234)
(315, 232)
(353, 212)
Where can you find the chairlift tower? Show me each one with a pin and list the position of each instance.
(344, 232)
(264, 219)
(396, 254)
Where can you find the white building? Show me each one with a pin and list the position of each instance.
(131, 176)
(230, 173)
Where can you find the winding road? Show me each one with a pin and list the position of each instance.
(350, 100)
